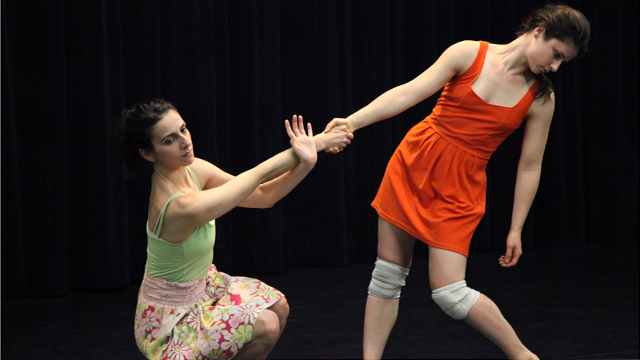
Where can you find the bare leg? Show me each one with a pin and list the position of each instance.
(395, 246)
(447, 267)
(266, 332)
(281, 308)
(485, 317)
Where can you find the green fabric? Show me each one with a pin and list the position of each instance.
(182, 262)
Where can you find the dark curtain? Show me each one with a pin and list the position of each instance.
(236, 70)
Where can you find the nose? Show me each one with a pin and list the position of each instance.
(186, 141)
(555, 66)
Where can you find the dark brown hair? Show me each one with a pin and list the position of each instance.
(560, 22)
(135, 131)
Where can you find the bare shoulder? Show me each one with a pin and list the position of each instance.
(208, 175)
(542, 109)
(200, 165)
(461, 55)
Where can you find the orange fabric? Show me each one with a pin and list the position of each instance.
(434, 187)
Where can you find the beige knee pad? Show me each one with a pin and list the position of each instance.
(456, 299)
(387, 280)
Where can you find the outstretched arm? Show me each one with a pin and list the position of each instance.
(453, 61)
(270, 192)
(529, 169)
(199, 207)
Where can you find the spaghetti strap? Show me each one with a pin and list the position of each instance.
(158, 227)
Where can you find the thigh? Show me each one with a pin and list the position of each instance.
(394, 244)
(445, 267)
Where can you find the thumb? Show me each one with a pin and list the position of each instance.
(507, 256)
(329, 126)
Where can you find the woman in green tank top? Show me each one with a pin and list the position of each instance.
(186, 308)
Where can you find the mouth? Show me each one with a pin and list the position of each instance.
(188, 152)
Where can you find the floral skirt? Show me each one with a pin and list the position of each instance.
(209, 318)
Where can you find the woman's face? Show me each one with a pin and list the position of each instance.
(547, 55)
(171, 141)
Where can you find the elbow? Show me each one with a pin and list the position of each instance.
(268, 205)
(530, 165)
(267, 201)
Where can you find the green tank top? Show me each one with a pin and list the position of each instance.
(182, 262)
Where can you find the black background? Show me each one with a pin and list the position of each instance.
(236, 70)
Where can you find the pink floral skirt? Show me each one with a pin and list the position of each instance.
(209, 318)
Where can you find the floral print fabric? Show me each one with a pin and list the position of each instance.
(209, 318)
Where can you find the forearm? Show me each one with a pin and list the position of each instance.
(526, 187)
(269, 193)
(319, 139)
(387, 105)
(275, 166)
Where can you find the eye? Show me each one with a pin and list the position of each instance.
(184, 129)
(169, 141)
(556, 55)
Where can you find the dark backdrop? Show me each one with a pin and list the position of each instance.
(236, 70)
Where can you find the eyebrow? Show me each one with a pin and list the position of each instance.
(173, 134)
(561, 54)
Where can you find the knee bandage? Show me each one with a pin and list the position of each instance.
(456, 299)
(387, 280)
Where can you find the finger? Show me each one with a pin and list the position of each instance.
(309, 130)
(329, 126)
(516, 257)
(507, 256)
(288, 127)
(295, 126)
(301, 125)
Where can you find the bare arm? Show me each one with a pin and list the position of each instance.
(529, 170)
(199, 207)
(454, 61)
(269, 193)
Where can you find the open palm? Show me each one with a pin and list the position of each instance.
(302, 142)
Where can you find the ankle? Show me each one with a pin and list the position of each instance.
(525, 354)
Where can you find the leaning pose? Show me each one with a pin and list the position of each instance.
(435, 184)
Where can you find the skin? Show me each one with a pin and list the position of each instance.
(506, 77)
(259, 187)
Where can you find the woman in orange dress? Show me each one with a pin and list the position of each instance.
(435, 184)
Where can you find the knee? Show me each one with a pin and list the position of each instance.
(387, 280)
(281, 308)
(267, 328)
(456, 299)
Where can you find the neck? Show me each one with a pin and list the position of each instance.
(177, 178)
(513, 56)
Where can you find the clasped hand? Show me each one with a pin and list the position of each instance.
(341, 125)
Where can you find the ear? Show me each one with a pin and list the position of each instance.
(147, 155)
(538, 31)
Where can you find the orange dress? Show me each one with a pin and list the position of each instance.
(434, 187)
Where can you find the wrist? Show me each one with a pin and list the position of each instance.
(307, 164)
(351, 125)
(319, 139)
